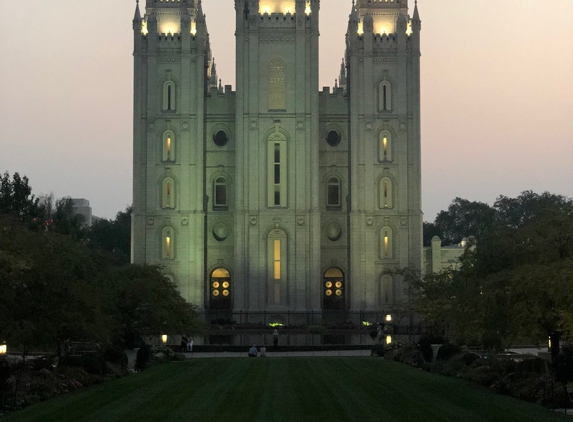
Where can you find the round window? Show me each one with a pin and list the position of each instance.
(221, 138)
(333, 138)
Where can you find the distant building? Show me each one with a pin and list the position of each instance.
(438, 258)
(278, 197)
(82, 207)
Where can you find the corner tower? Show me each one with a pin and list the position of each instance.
(383, 65)
(171, 69)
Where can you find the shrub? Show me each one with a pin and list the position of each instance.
(92, 365)
(448, 351)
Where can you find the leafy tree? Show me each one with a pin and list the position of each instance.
(430, 230)
(463, 219)
(113, 235)
(16, 196)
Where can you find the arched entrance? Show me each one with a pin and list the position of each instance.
(334, 289)
(221, 290)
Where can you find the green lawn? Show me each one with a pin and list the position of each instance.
(290, 389)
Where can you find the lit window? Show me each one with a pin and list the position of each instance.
(333, 194)
(386, 247)
(169, 147)
(220, 194)
(168, 243)
(385, 146)
(385, 96)
(277, 255)
(386, 200)
(168, 197)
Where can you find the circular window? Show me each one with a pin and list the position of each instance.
(338, 285)
(215, 293)
(221, 138)
(329, 293)
(329, 284)
(220, 232)
(225, 285)
(216, 285)
(333, 138)
(226, 293)
(334, 231)
(339, 293)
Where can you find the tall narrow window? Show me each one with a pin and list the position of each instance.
(386, 199)
(169, 96)
(169, 147)
(277, 180)
(277, 257)
(386, 243)
(385, 146)
(333, 195)
(386, 290)
(220, 194)
(385, 96)
(277, 85)
(168, 243)
(168, 196)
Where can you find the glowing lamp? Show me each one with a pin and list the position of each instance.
(384, 30)
(388, 318)
(3, 349)
(308, 10)
(164, 338)
(548, 343)
(388, 339)
(193, 29)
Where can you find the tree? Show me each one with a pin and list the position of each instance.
(113, 235)
(16, 197)
(463, 219)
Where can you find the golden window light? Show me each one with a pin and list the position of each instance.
(226, 293)
(339, 284)
(328, 284)
(226, 285)
(216, 285)
(215, 293)
(339, 293)
(329, 293)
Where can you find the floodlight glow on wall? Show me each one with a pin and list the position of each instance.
(3, 349)
(388, 318)
(388, 339)
(164, 338)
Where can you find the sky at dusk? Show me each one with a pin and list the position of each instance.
(497, 94)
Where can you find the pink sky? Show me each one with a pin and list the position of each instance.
(497, 94)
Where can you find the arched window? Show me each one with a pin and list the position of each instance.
(277, 85)
(385, 146)
(169, 96)
(386, 198)
(386, 290)
(220, 194)
(169, 147)
(333, 194)
(221, 289)
(386, 243)
(334, 289)
(168, 193)
(168, 243)
(385, 96)
(277, 171)
(277, 267)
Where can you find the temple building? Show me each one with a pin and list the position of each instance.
(277, 197)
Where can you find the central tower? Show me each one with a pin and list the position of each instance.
(277, 220)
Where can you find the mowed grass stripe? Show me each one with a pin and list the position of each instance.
(284, 390)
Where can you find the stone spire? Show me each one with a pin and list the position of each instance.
(416, 17)
(213, 78)
(137, 16)
(342, 78)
